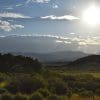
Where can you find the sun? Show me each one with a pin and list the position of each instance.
(91, 16)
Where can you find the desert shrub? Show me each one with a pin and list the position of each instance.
(69, 94)
(57, 87)
(30, 85)
(12, 87)
(97, 92)
(2, 90)
(86, 93)
(20, 97)
(26, 85)
(68, 78)
(6, 97)
(44, 92)
(53, 97)
(36, 96)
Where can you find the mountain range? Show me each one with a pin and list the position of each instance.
(62, 56)
(69, 59)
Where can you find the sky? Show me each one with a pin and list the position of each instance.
(48, 26)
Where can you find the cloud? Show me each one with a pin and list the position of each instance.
(72, 33)
(18, 5)
(89, 41)
(12, 15)
(61, 41)
(38, 1)
(87, 44)
(84, 41)
(80, 41)
(9, 8)
(17, 26)
(55, 6)
(6, 26)
(65, 17)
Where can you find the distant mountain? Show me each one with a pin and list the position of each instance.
(55, 56)
(91, 62)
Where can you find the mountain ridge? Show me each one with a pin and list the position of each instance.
(54, 56)
(90, 62)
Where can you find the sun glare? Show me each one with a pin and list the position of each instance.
(91, 16)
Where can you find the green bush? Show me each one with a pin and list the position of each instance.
(6, 97)
(20, 97)
(36, 96)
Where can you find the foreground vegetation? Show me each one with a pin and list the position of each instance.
(23, 78)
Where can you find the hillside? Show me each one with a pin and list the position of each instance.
(24, 78)
(11, 63)
(91, 62)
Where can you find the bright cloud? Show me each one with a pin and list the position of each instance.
(55, 6)
(6, 26)
(9, 8)
(18, 5)
(65, 17)
(38, 1)
(12, 15)
(59, 41)
(80, 41)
